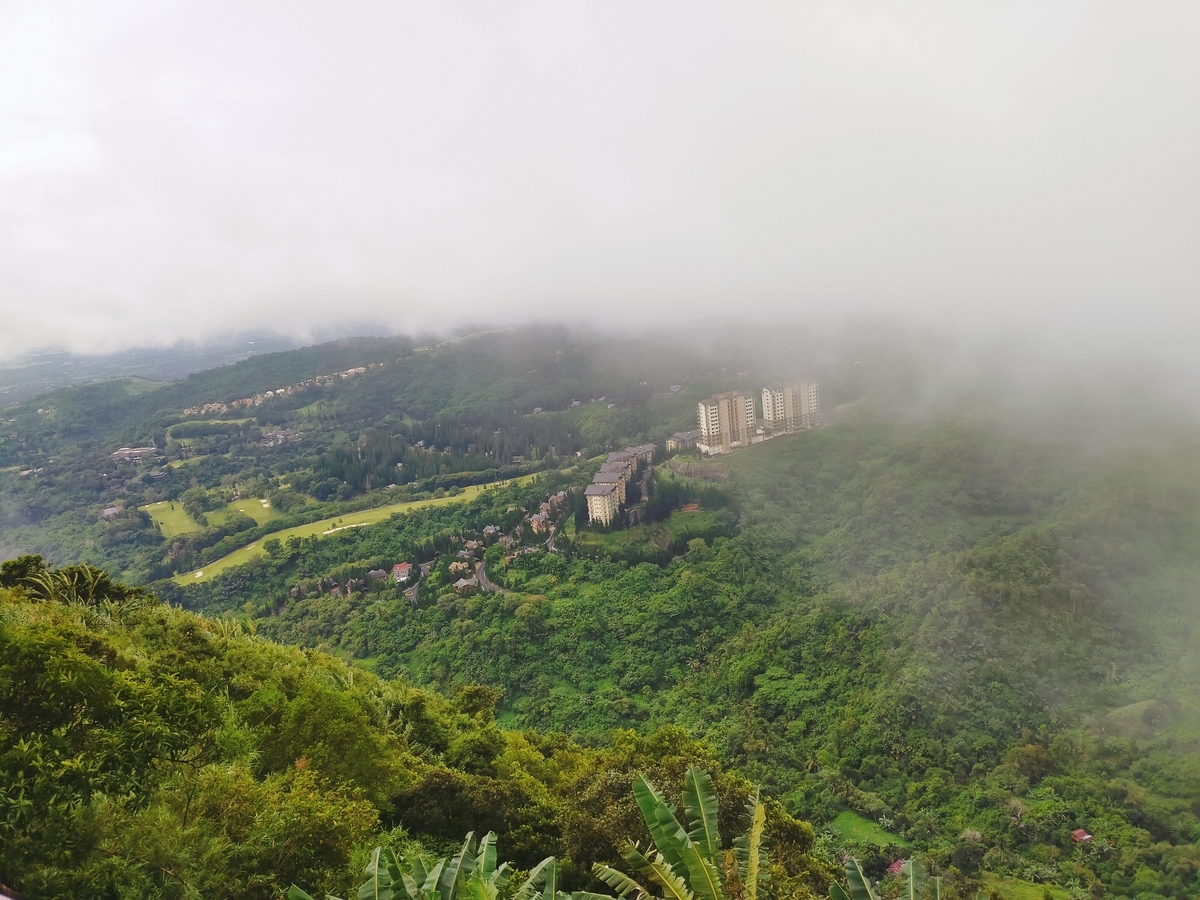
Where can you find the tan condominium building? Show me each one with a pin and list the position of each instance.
(602, 503)
(616, 479)
(791, 407)
(727, 420)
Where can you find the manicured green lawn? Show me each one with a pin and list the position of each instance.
(171, 518)
(253, 507)
(853, 827)
(330, 526)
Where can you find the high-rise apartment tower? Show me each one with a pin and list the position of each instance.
(727, 420)
(791, 407)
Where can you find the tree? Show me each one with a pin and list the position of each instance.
(471, 875)
(912, 873)
(691, 864)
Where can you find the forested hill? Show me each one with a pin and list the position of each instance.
(151, 752)
(937, 628)
(463, 408)
(946, 635)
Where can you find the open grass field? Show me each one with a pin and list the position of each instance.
(171, 518)
(853, 827)
(259, 510)
(190, 461)
(330, 526)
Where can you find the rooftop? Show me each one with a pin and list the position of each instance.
(599, 490)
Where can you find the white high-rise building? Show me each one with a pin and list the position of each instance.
(727, 420)
(791, 407)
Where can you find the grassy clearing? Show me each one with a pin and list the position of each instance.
(678, 528)
(1015, 889)
(332, 526)
(171, 518)
(260, 511)
(209, 422)
(853, 827)
(190, 461)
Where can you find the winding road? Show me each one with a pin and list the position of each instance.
(485, 583)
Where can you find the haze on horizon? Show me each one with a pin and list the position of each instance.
(179, 171)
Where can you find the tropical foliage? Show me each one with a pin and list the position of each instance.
(146, 751)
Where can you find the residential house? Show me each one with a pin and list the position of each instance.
(401, 571)
(539, 523)
(464, 583)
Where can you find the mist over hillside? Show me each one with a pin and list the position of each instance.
(956, 618)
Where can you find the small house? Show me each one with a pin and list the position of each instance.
(401, 571)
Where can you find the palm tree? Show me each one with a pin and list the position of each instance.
(470, 875)
(912, 872)
(691, 864)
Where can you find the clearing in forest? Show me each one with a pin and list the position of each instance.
(333, 525)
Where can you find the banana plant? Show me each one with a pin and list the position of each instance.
(472, 874)
(690, 864)
(912, 873)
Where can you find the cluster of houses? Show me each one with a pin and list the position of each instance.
(209, 409)
(606, 494)
(540, 521)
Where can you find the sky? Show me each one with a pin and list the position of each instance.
(178, 170)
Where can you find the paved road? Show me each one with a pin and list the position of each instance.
(485, 583)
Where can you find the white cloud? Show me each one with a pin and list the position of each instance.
(191, 168)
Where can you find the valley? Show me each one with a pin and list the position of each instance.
(939, 634)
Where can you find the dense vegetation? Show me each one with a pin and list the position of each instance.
(146, 751)
(422, 419)
(937, 637)
(940, 629)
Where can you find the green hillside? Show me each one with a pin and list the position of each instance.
(150, 752)
(957, 636)
(940, 628)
